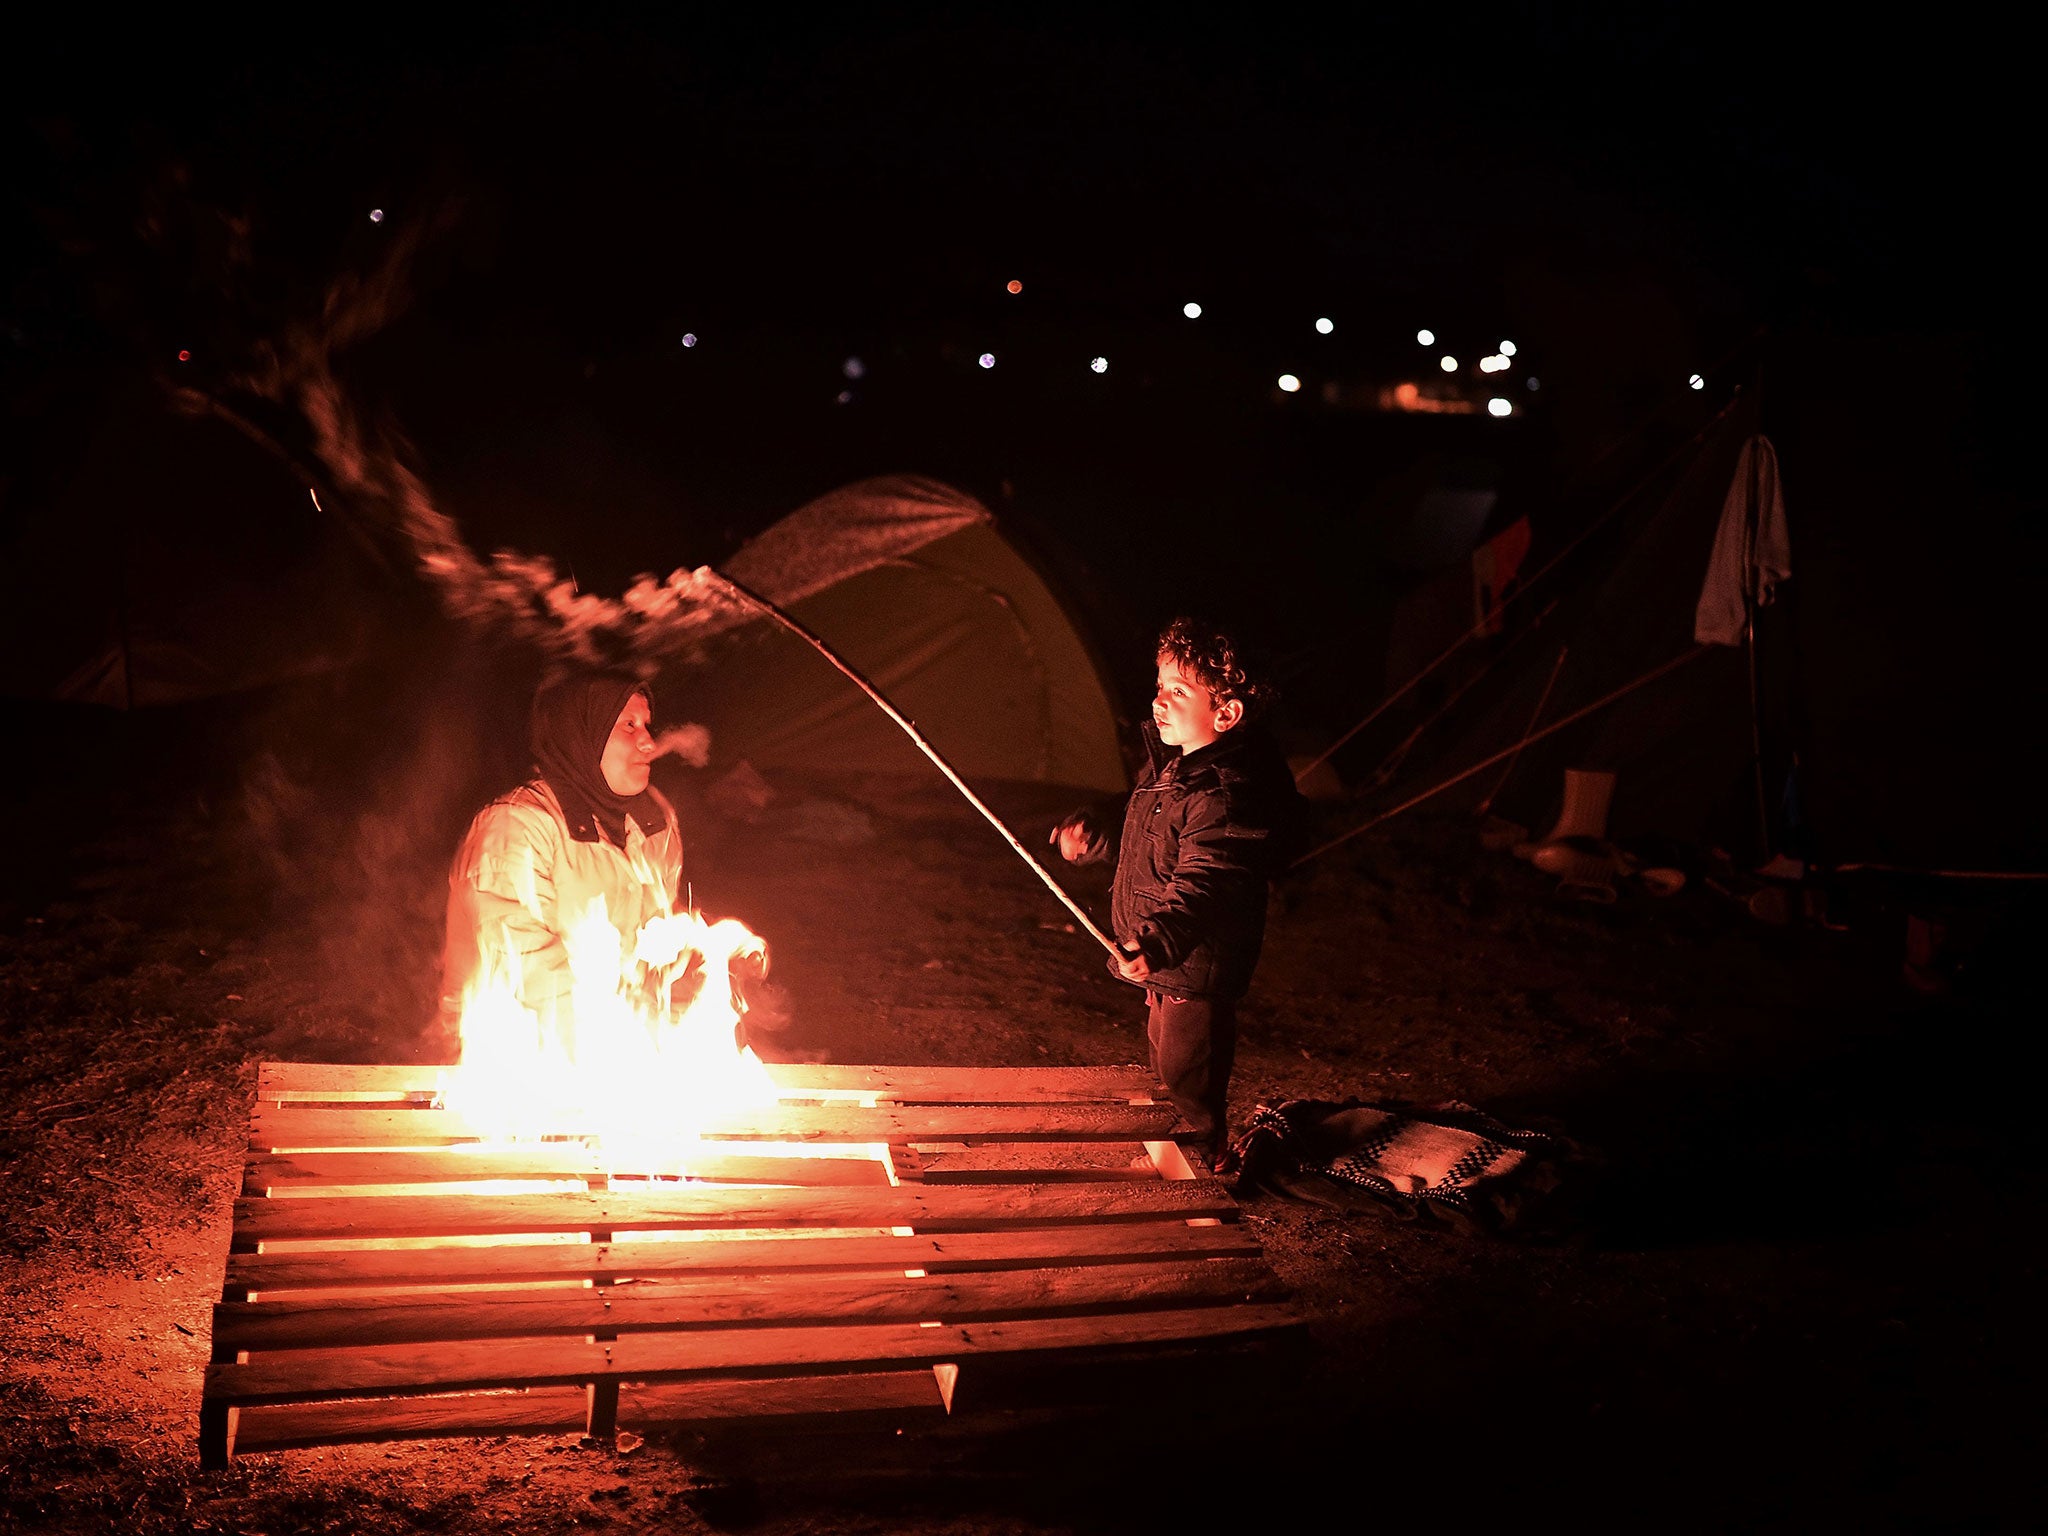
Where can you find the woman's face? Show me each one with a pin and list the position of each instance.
(629, 750)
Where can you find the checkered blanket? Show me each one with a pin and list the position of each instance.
(1448, 1161)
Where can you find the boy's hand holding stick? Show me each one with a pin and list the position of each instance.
(1129, 963)
(1080, 841)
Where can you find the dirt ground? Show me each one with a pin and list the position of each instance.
(1797, 1287)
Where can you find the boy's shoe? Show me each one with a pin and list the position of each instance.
(1223, 1162)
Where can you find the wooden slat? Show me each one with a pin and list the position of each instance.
(343, 1082)
(712, 1207)
(285, 1129)
(287, 1173)
(1088, 1244)
(943, 1174)
(1031, 1248)
(540, 1411)
(725, 1302)
(1026, 1163)
(316, 1081)
(412, 1370)
(968, 1085)
(809, 1402)
(279, 1173)
(846, 1401)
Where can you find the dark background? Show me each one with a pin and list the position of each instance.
(1826, 213)
(1815, 1287)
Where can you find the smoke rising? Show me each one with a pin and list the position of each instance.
(355, 803)
(507, 598)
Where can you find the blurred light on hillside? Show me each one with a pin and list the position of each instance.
(376, 215)
(1448, 363)
(1493, 364)
(1325, 325)
(1499, 407)
(1697, 382)
(1099, 365)
(987, 359)
(1192, 311)
(1425, 338)
(689, 338)
(1289, 383)
(853, 367)
(846, 397)
(1534, 382)
(184, 356)
(1507, 349)
(1014, 286)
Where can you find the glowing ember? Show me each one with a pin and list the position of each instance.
(640, 1057)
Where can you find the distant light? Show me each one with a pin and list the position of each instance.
(1289, 383)
(1014, 285)
(1448, 363)
(1500, 407)
(1192, 311)
(1099, 365)
(1492, 364)
(376, 215)
(853, 367)
(1325, 325)
(1535, 383)
(1507, 349)
(987, 359)
(1697, 382)
(184, 356)
(1425, 338)
(689, 338)
(846, 397)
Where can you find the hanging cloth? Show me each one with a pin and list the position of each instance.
(1752, 550)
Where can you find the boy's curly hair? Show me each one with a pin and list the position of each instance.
(1214, 660)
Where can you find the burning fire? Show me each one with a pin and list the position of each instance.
(643, 1055)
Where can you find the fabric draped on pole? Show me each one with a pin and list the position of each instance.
(1752, 551)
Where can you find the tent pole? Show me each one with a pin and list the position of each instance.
(762, 605)
(1756, 728)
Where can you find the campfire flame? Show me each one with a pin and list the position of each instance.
(643, 1055)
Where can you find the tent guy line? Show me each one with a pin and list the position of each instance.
(1487, 762)
(1391, 763)
(1542, 702)
(1548, 566)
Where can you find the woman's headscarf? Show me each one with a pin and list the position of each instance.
(571, 722)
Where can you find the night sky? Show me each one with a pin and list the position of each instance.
(1630, 201)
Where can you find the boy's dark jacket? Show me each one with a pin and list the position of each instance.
(1203, 833)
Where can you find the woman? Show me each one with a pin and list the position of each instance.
(586, 827)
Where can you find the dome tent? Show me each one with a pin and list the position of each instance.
(919, 587)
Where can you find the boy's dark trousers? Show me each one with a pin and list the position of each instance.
(1194, 1043)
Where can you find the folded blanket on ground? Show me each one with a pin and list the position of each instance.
(1449, 1161)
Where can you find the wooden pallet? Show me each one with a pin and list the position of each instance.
(957, 1220)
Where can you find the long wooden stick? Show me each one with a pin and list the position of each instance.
(761, 604)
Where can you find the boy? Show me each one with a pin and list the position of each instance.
(1210, 822)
